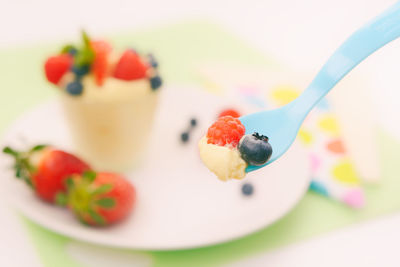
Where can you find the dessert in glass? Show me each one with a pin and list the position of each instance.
(109, 99)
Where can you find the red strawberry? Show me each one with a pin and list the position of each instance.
(229, 112)
(225, 131)
(46, 169)
(130, 67)
(55, 67)
(99, 199)
(100, 64)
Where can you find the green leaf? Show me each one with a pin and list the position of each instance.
(96, 217)
(67, 48)
(10, 151)
(85, 38)
(102, 189)
(84, 57)
(18, 171)
(37, 148)
(106, 202)
(61, 199)
(89, 176)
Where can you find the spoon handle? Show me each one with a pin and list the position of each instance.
(372, 36)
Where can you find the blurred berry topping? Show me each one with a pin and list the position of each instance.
(226, 130)
(75, 88)
(101, 50)
(130, 67)
(155, 82)
(93, 56)
(55, 67)
(80, 70)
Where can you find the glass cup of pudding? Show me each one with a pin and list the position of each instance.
(110, 124)
(109, 100)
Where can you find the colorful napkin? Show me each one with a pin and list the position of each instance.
(333, 172)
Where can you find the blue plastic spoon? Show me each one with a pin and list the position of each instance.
(281, 125)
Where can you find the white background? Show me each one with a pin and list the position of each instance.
(300, 33)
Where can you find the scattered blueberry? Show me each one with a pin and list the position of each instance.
(80, 70)
(255, 149)
(193, 122)
(153, 61)
(185, 137)
(247, 189)
(155, 82)
(74, 88)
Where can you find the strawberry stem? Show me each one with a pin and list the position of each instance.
(23, 168)
(85, 198)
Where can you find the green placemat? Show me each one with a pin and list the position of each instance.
(180, 48)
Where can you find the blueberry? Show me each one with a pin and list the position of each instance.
(185, 137)
(74, 88)
(193, 122)
(72, 51)
(155, 82)
(153, 61)
(247, 189)
(80, 70)
(255, 149)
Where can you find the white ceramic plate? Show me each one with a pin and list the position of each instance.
(180, 203)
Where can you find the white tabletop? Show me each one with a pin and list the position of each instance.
(300, 33)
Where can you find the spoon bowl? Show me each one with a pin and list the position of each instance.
(279, 125)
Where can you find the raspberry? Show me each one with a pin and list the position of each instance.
(229, 112)
(226, 130)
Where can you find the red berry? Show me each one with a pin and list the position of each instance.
(226, 130)
(130, 67)
(100, 64)
(48, 172)
(55, 67)
(101, 199)
(54, 167)
(229, 112)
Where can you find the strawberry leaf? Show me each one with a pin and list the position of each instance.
(17, 168)
(89, 176)
(96, 217)
(23, 168)
(106, 202)
(102, 189)
(10, 151)
(37, 148)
